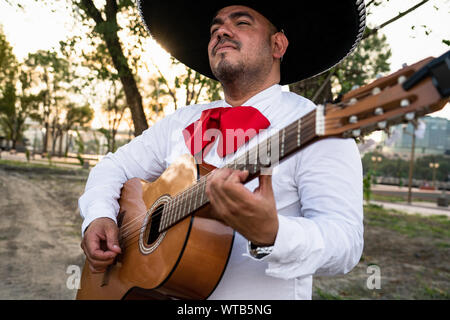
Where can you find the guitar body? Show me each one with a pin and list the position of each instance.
(185, 262)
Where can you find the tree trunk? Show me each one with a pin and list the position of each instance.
(45, 142)
(61, 136)
(108, 29)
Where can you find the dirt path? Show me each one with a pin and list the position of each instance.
(39, 234)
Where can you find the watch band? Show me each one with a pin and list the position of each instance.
(259, 252)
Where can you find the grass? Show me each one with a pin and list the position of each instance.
(327, 296)
(412, 225)
(434, 293)
(378, 197)
(397, 199)
(32, 165)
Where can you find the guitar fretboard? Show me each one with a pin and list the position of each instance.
(268, 153)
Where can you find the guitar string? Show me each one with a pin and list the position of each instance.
(250, 155)
(196, 187)
(156, 213)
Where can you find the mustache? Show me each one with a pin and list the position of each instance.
(223, 41)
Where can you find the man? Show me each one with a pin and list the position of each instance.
(304, 219)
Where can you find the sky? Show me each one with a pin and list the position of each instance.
(37, 27)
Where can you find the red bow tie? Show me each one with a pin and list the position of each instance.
(233, 126)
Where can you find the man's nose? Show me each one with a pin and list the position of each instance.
(224, 31)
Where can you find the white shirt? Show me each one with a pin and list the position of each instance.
(318, 194)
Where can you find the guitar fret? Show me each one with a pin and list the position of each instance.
(180, 207)
(172, 216)
(299, 129)
(180, 213)
(283, 136)
(188, 202)
(195, 196)
(203, 187)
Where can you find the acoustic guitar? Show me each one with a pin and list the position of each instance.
(171, 249)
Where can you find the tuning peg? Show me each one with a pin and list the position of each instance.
(356, 133)
(355, 87)
(378, 111)
(410, 116)
(401, 79)
(404, 103)
(382, 124)
(378, 76)
(376, 91)
(352, 101)
(353, 119)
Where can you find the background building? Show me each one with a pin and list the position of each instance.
(435, 140)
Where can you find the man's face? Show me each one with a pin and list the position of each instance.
(240, 43)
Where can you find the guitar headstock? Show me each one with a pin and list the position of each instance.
(386, 102)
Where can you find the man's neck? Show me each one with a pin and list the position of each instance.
(237, 95)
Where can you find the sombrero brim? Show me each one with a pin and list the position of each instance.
(321, 34)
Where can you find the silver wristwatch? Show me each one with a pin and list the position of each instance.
(259, 252)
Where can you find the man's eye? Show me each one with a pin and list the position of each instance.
(243, 22)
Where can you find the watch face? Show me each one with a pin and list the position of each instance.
(259, 252)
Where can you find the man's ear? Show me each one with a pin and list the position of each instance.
(280, 44)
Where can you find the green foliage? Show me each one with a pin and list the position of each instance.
(399, 168)
(364, 64)
(8, 61)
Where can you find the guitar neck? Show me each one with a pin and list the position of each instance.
(267, 153)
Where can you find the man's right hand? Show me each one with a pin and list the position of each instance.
(101, 244)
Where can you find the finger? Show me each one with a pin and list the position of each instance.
(96, 270)
(112, 239)
(220, 174)
(92, 244)
(238, 176)
(97, 264)
(265, 185)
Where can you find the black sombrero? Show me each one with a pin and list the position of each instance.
(320, 33)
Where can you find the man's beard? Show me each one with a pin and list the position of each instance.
(227, 72)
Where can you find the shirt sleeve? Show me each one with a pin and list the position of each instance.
(143, 158)
(327, 237)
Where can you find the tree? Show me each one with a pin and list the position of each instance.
(52, 75)
(196, 87)
(76, 116)
(363, 65)
(115, 110)
(16, 102)
(8, 61)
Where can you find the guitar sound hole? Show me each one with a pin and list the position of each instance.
(154, 225)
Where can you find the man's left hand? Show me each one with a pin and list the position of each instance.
(252, 214)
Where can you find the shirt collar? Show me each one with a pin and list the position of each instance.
(262, 100)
